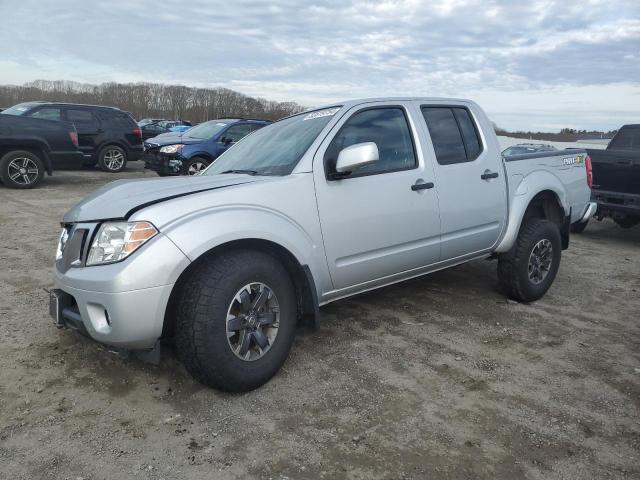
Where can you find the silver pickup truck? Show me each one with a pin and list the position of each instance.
(316, 207)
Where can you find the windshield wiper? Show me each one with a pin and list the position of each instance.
(248, 172)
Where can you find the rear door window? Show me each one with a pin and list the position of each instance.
(83, 120)
(48, 113)
(453, 133)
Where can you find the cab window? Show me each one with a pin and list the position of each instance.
(453, 134)
(387, 127)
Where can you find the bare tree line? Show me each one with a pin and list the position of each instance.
(151, 99)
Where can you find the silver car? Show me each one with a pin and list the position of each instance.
(311, 209)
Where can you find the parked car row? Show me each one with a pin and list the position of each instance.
(109, 137)
(191, 152)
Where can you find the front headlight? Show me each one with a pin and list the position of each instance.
(115, 241)
(62, 241)
(172, 148)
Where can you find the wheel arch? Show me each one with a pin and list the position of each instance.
(202, 154)
(108, 143)
(301, 277)
(545, 203)
(37, 148)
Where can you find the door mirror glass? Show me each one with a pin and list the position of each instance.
(356, 156)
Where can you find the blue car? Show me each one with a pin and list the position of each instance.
(191, 152)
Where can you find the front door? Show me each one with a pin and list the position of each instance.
(469, 175)
(382, 219)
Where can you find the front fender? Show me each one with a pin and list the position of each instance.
(521, 195)
(201, 231)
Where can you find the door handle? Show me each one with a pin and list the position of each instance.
(421, 186)
(487, 175)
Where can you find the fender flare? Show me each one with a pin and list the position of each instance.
(530, 186)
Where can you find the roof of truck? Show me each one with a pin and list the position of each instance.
(358, 101)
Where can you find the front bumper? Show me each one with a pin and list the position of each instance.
(127, 320)
(121, 304)
(163, 163)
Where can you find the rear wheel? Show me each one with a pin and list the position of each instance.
(194, 166)
(236, 320)
(527, 271)
(21, 169)
(112, 159)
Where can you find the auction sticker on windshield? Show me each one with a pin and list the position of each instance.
(327, 112)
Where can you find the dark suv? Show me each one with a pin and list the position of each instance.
(107, 136)
(191, 152)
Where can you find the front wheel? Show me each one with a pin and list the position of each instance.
(194, 166)
(236, 320)
(112, 159)
(21, 169)
(526, 272)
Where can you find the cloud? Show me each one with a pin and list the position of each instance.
(324, 51)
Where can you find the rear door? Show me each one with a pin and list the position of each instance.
(469, 179)
(88, 128)
(380, 221)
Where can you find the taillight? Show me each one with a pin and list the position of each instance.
(137, 132)
(74, 138)
(589, 167)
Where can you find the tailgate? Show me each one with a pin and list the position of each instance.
(616, 170)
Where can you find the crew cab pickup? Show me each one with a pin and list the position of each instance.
(31, 146)
(616, 173)
(316, 207)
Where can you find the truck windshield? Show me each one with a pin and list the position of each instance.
(205, 130)
(275, 149)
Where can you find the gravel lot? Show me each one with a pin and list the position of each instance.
(440, 377)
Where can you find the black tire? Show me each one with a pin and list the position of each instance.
(112, 159)
(513, 267)
(627, 221)
(21, 169)
(579, 227)
(194, 165)
(201, 323)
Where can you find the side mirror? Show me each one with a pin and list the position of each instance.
(357, 156)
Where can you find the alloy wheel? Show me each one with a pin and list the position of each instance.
(540, 261)
(252, 321)
(113, 159)
(23, 171)
(196, 167)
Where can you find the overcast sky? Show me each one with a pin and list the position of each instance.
(532, 64)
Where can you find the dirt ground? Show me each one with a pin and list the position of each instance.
(440, 377)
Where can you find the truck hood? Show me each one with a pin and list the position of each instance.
(119, 199)
(171, 138)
